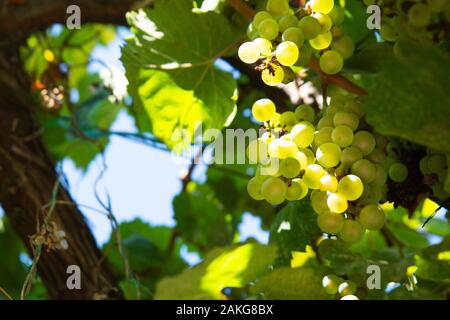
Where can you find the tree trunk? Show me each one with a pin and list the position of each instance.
(27, 179)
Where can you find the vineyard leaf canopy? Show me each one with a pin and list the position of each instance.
(170, 65)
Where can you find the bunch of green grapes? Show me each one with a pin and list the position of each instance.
(282, 38)
(334, 157)
(419, 20)
(434, 166)
(334, 285)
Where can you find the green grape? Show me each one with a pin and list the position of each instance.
(267, 137)
(398, 172)
(365, 170)
(364, 141)
(287, 22)
(337, 101)
(273, 77)
(344, 46)
(263, 110)
(313, 173)
(347, 288)
(310, 157)
(381, 175)
(350, 155)
(256, 151)
(271, 167)
(323, 41)
(287, 120)
(287, 53)
(326, 121)
(302, 134)
(323, 136)
(319, 201)
(342, 118)
(324, 20)
(248, 52)
(353, 105)
(304, 55)
(305, 112)
(282, 149)
(419, 15)
(351, 187)
(290, 168)
(260, 17)
(328, 183)
(331, 283)
(275, 120)
(342, 136)
(274, 190)
(439, 191)
(436, 6)
(436, 163)
(382, 141)
(294, 35)
(254, 189)
(423, 164)
(350, 296)
(252, 33)
(372, 217)
(277, 7)
(330, 223)
(388, 32)
(296, 190)
(302, 159)
(337, 15)
(331, 62)
(322, 6)
(377, 156)
(268, 29)
(337, 202)
(352, 232)
(263, 45)
(328, 155)
(310, 27)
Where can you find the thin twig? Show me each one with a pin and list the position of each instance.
(5, 293)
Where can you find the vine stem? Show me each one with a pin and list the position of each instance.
(248, 13)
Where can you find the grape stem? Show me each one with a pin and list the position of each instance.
(247, 12)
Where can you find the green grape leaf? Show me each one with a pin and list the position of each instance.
(407, 236)
(171, 71)
(285, 283)
(234, 266)
(294, 226)
(410, 97)
(434, 262)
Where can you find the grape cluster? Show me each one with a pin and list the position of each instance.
(334, 284)
(335, 155)
(434, 166)
(282, 38)
(419, 20)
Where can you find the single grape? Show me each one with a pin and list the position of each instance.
(330, 222)
(263, 110)
(353, 105)
(274, 76)
(344, 46)
(290, 168)
(347, 288)
(351, 187)
(349, 297)
(287, 53)
(256, 151)
(274, 190)
(271, 167)
(263, 45)
(302, 134)
(381, 175)
(287, 120)
(312, 175)
(319, 201)
(323, 41)
(372, 217)
(302, 159)
(282, 149)
(310, 157)
(388, 32)
(248, 52)
(322, 6)
(251, 32)
(364, 141)
(331, 62)
(323, 136)
(328, 183)
(275, 120)
(277, 7)
(305, 113)
(310, 27)
(337, 202)
(365, 170)
(436, 163)
(326, 121)
(342, 136)
(296, 190)
(337, 15)
(268, 29)
(398, 172)
(304, 55)
(294, 35)
(342, 118)
(254, 188)
(331, 283)
(377, 156)
(324, 20)
(352, 232)
(419, 15)
(328, 155)
(260, 17)
(287, 22)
